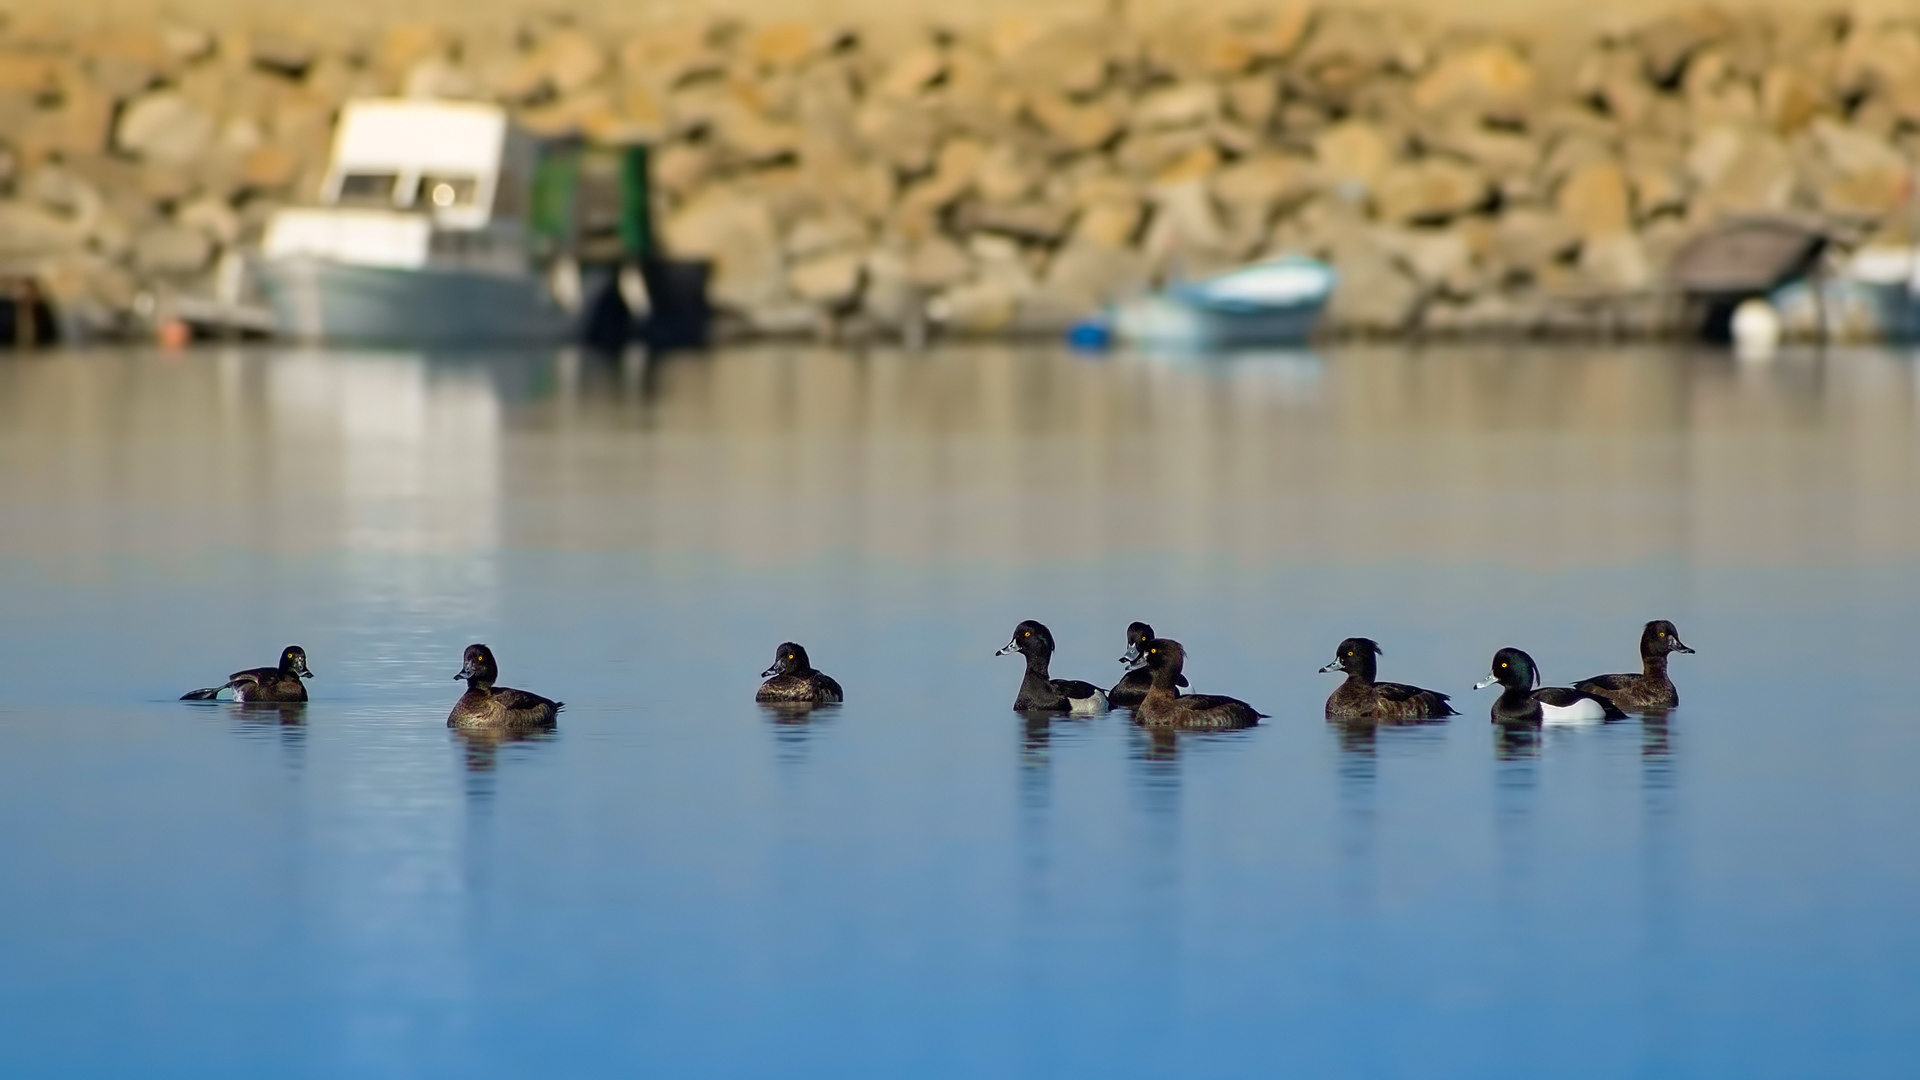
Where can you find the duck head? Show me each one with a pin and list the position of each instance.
(1660, 638)
(788, 659)
(1029, 639)
(293, 658)
(1355, 657)
(1138, 634)
(477, 666)
(1165, 658)
(1512, 669)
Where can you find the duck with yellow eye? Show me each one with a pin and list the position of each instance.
(487, 707)
(1041, 692)
(1165, 707)
(1650, 688)
(792, 681)
(1361, 698)
(280, 684)
(1524, 701)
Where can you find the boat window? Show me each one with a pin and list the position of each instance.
(368, 189)
(448, 192)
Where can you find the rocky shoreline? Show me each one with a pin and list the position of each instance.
(1006, 179)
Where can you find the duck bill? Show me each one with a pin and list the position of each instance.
(1484, 683)
(1007, 648)
(1680, 646)
(304, 671)
(466, 672)
(1335, 666)
(770, 672)
(1132, 656)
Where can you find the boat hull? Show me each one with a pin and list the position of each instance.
(1171, 322)
(320, 300)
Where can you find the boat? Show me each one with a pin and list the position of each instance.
(1269, 303)
(443, 222)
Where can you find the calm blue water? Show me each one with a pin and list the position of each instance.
(921, 883)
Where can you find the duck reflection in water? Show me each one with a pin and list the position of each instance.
(481, 746)
(1516, 742)
(795, 724)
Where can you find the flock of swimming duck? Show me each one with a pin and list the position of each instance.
(1151, 687)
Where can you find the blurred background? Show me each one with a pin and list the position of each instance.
(635, 340)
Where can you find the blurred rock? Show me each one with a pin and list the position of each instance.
(164, 127)
(172, 250)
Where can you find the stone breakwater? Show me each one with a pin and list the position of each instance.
(1010, 177)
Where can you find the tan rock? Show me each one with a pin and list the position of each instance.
(164, 127)
(1182, 106)
(1433, 189)
(1669, 44)
(1528, 239)
(664, 56)
(282, 53)
(1107, 225)
(902, 134)
(1617, 261)
(1491, 79)
(29, 231)
(1185, 221)
(1616, 78)
(1739, 170)
(1790, 99)
(1195, 166)
(938, 263)
(786, 45)
(1032, 220)
(1144, 155)
(1375, 295)
(981, 307)
(1197, 45)
(172, 249)
(1657, 189)
(1282, 30)
(1253, 100)
(1267, 181)
(755, 137)
(735, 229)
(1073, 58)
(1073, 125)
(912, 71)
(820, 234)
(1084, 277)
(28, 73)
(269, 167)
(1441, 260)
(1005, 175)
(573, 60)
(832, 278)
(1595, 200)
(1353, 152)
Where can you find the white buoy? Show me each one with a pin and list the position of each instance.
(1756, 330)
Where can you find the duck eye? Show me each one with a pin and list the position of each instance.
(1026, 633)
(1503, 663)
(1349, 652)
(1662, 633)
(789, 656)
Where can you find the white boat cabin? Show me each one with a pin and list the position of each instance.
(412, 183)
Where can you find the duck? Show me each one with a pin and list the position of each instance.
(1651, 688)
(1040, 692)
(280, 683)
(1132, 687)
(1521, 703)
(792, 680)
(1361, 698)
(487, 706)
(1165, 707)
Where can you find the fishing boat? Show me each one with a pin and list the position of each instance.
(442, 222)
(1275, 302)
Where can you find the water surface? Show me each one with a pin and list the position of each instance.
(921, 882)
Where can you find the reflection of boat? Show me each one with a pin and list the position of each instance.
(441, 221)
(1276, 302)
